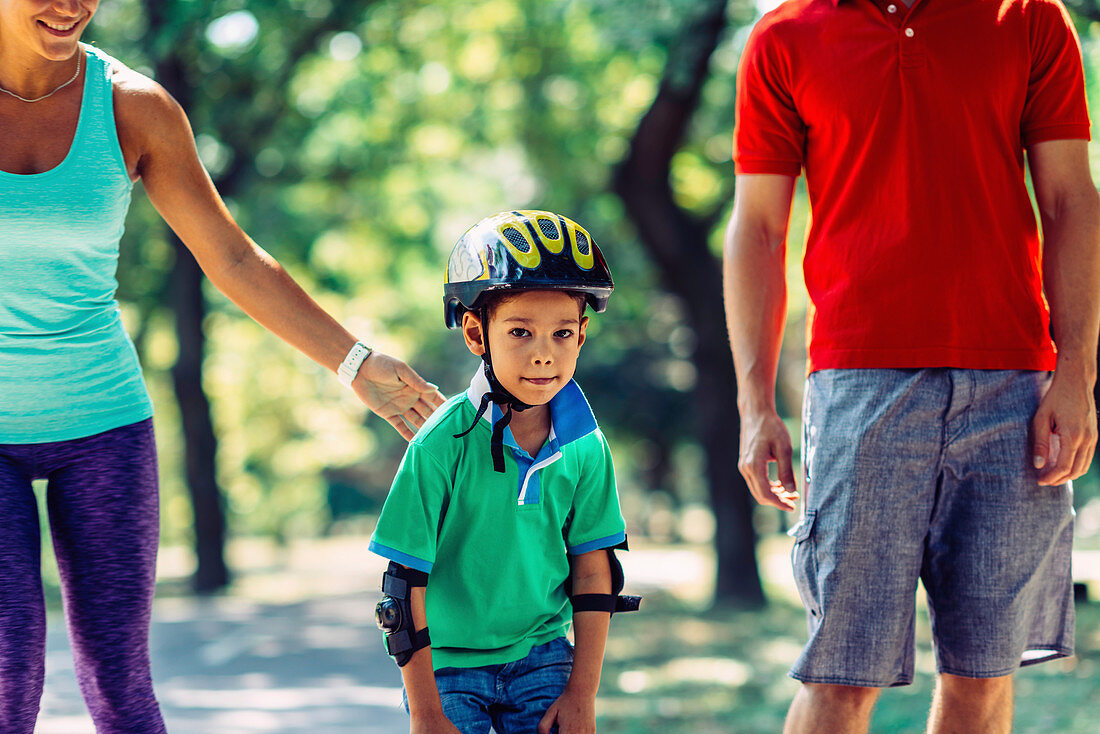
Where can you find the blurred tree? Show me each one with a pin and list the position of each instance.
(355, 141)
(677, 240)
(197, 51)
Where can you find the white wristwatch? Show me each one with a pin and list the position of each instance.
(349, 368)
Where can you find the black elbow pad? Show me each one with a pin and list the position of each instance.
(394, 613)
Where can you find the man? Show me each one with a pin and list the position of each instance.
(942, 425)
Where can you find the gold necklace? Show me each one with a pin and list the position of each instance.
(44, 96)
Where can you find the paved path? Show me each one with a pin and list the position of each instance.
(231, 666)
(292, 649)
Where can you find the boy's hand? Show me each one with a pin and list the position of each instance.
(434, 723)
(574, 713)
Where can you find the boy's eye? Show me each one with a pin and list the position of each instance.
(563, 333)
(519, 332)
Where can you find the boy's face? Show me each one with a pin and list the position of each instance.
(535, 338)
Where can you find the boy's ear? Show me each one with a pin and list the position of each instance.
(581, 331)
(472, 333)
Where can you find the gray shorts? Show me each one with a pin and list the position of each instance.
(927, 474)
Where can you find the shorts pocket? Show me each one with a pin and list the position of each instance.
(804, 564)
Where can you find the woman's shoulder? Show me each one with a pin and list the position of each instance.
(145, 113)
(133, 89)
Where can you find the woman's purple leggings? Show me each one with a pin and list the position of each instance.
(103, 512)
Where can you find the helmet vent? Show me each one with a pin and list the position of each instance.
(548, 228)
(582, 243)
(518, 240)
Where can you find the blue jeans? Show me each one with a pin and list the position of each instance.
(510, 698)
(927, 474)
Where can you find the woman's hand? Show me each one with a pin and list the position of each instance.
(393, 390)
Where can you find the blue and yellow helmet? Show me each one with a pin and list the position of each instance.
(523, 250)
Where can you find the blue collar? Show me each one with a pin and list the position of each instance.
(571, 417)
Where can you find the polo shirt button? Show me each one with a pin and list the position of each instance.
(909, 33)
(891, 8)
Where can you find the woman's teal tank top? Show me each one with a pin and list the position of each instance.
(67, 367)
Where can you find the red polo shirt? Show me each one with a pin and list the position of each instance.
(911, 124)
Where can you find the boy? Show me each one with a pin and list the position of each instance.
(494, 550)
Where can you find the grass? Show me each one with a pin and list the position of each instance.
(677, 667)
(674, 669)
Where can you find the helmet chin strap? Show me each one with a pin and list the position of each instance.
(497, 394)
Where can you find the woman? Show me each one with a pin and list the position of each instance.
(78, 128)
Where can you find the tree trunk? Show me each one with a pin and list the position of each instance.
(677, 242)
(200, 443)
(189, 306)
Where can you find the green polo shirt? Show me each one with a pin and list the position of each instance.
(496, 546)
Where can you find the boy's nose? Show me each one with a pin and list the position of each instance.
(542, 355)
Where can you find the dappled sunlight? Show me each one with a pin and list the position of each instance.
(293, 649)
(281, 699)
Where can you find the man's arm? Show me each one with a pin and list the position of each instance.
(756, 309)
(1069, 209)
(575, 710)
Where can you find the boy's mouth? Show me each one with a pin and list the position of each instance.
(539, 380)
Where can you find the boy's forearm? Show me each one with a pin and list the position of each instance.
(418, 674)
(591, 575)
(420, 688)
(590, 634)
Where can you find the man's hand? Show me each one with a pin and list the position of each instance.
(764, 439)
(391, 389)
(574, 713)
(434, 723)
(1064, 430)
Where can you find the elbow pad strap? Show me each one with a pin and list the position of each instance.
(401, 645)
(594, 603)
(605, 603)
(613, 602)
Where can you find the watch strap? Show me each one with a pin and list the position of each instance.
(349, 368)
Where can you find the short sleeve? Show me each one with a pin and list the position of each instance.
(408, 528)
(769, 136)
(596, 522)
(1055, 108)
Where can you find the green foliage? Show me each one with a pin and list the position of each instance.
(357, 157)
(356, 141)
(678, 670)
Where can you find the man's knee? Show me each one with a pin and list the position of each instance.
(975, 689)
(855, 698)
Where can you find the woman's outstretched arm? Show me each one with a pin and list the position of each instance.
(155, 127)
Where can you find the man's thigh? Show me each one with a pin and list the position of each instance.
(871, 446)
(997, 561)
(926, 473)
